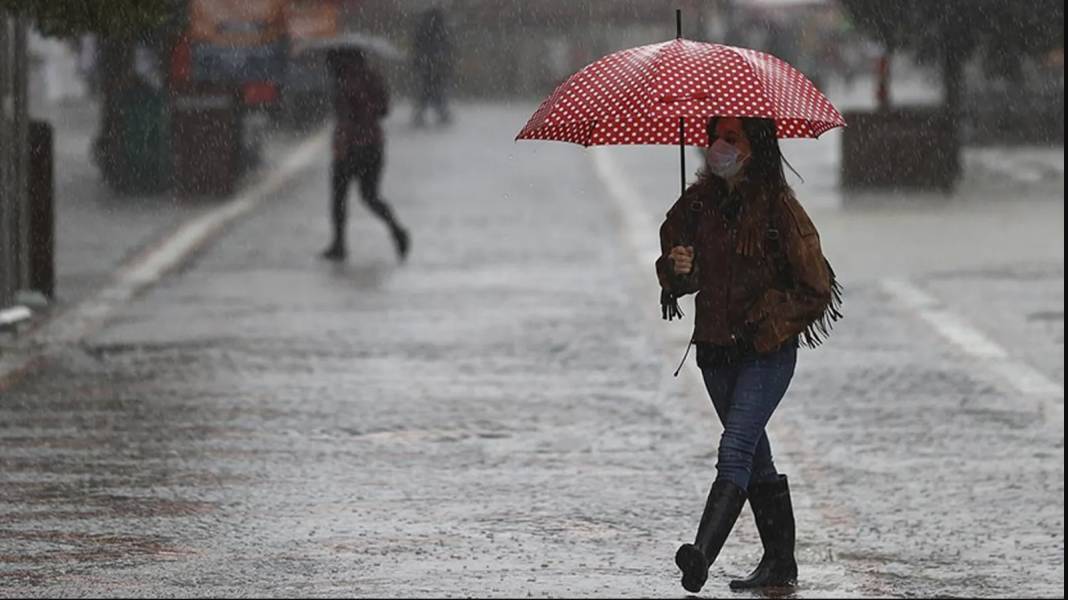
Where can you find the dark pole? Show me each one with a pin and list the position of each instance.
(682, 121)
(42, 215)
(682, 153)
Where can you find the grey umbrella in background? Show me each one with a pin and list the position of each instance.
(352, 40)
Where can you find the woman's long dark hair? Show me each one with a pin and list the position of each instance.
(765, 167)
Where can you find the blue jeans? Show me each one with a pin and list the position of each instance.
(745, 395)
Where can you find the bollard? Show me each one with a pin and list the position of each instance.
(42, 217)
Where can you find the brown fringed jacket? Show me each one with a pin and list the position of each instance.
(759, 273)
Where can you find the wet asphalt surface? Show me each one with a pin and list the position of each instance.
(497, 416)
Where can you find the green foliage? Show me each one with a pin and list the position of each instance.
(112, 18)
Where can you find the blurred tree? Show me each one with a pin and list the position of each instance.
(110, 18)
(120, 25)
(953, 31)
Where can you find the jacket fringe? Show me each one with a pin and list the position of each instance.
(818, 331)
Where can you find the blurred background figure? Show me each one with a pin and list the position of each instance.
(361, 100)
(433, 65)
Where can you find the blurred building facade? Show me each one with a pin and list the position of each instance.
(513, 48)
(517, 48)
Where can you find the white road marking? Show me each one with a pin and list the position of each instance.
(1024, 166)
(639, 227)
(1048, 395)
(13, 315)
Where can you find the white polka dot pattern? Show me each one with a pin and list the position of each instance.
(636, 96)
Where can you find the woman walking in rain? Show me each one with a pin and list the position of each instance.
(360, 102)
(740, 240)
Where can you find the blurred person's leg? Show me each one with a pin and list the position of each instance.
(341, 173)
(369, 164)
(422, 100)
(440, 103)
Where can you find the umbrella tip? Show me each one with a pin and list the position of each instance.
(678, 23)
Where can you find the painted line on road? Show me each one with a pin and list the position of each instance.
(639, 228)
(1025, 169)
(974, 343)
(640, 231)
(169, 253)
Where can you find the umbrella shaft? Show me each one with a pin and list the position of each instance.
(682, 154)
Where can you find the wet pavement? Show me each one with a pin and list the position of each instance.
(497, 416)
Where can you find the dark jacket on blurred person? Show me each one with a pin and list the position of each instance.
(361, 100)
(759, 273)
(432, 48)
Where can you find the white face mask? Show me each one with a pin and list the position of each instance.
(724, 159)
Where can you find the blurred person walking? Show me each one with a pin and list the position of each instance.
(740, 240)
(432, 56)
(361, 100)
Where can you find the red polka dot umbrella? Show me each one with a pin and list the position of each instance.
(665, 93)
(638, 95)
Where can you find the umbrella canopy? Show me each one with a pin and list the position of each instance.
(639, 95)
(352, 40)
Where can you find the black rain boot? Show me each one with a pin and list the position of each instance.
(336, 249)
(401, 241)
(725, 501)
(774, 515)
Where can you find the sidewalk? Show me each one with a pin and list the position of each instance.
(497, 417)
(97, 229)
